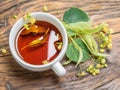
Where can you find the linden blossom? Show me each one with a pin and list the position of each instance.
(86, 41)
(29, 20)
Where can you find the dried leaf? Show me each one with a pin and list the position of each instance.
(37, 42)
(34, 29)
(34, 43)
(42, 29)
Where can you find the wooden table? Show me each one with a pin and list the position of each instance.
(14, 77)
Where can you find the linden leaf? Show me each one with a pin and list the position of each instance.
(73, 54)
(74, 15)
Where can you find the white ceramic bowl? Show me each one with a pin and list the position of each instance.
(55, 64)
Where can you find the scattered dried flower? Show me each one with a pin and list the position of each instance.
(45, 8)
(15, 16)
(4, 51)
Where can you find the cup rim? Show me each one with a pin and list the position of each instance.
(22, 62)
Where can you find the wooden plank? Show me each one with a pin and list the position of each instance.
(14, 77)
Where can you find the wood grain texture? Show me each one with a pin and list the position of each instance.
(14, 77)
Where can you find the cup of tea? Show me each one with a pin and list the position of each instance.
(39, 46)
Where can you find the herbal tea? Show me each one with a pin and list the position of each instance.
(39, 43)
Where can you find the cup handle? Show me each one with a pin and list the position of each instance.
(59, 69)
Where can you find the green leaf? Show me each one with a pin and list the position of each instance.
(74, 15)
(73, 54)
(66, 62)
(79, 27)
(70, 33)
(96, 29)
(79, 50)
(84, 49)
(84, 27)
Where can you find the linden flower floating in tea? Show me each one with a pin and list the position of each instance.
(38, 42)
(45, 62)
(86, 41)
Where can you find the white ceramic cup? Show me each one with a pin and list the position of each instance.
(55, 64)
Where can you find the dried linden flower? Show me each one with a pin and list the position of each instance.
(105, 65)
(98, 66)
(27, 16)
(102, 50)
(26, 26)
(32, 20)
(105, 29)
(45, 62)
(97, 71)
(103, 61)
(29, 19)
(109, 46)
(4, 51)
(111, 31)
(15, 16)
(93, 73)
(110, 38)
(59, 47)
(45, 9)
(82, 74)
